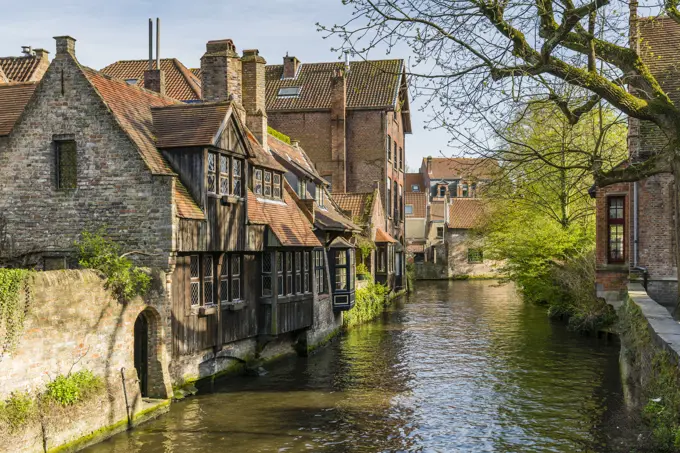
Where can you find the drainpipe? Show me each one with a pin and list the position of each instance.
(635, 224)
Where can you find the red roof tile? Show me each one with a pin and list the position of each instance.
(285, 219)
(293, 154)
(188, 125)
(416, 248)
(24, 69)
(437, 211)
(370, 84)
(13, 100)
(186, 206)
(262, 157)
(357, 204)
(466, 213)
(196, 72)
(462, 167)
(180, 82)
(419, 202)
(382, 236)
(414, 178)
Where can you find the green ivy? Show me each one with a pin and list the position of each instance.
(13, 308)
(281, 136)
(370, 302)
(123, 278)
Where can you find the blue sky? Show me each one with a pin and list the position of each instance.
(117, 30)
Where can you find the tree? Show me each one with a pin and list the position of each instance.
(475, 58)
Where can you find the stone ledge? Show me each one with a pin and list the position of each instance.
(664, 329)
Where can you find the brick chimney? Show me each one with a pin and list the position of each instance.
(221, 72)
(254, 94)
(429, 165)
(65, 45)
(154, 80)
(338, 131)
(290, 67)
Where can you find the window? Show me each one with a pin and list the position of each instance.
(396, 156)
(277, 186)
(389, 148)
(475, 256)
(208, 287)
(442, 190)
(131, 81)
(401, 160)
(389, 197)
(415, 188)
(236, 176)
(616, 229)
(235, 278)
(279, 273)
(67, 174)
(224, 175)
(302, 188)
(465, 191)
(382, 258)
(289, 92)
(224, 281)
(319, 271)
(329, 178)
(305, 275)
(257, 181)
(319, 195)
(409, 209)
(195, 280)
(396, 201)
(289, 273)
(267, 183)
(341, 264)
(298, 272)
(440, 232)
(266, 274)
(212, 173)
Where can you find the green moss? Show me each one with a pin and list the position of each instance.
(281, 136)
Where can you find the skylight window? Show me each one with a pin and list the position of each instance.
(131, 81)
(289, 92)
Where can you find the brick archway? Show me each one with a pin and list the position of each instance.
(157, 385)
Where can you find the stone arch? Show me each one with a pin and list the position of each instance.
(156, 379)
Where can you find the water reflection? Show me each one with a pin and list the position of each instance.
(459, 367)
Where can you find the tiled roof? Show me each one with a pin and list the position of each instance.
(331, 218)
(466, 213)
(13, 100)
(285, 220)
(462, 167)
(356, 204)
(22, 69)
(416, 248)
(419, 202)
(437, 211)
(382, 236)
(293, 154)
(262, 157)
(187, 125)
(196, 72)
(131, 107)
(659, 49)
(180, 82)
(186, 206)
(370, 84)
(414, 178)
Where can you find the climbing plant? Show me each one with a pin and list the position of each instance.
(13, 307)
(364, 245)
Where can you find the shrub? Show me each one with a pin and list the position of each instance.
(362, 269)
(370, 302)
(123, 278)
(69, 389)
(17, 410)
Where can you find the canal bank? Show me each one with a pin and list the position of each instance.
(456, 366)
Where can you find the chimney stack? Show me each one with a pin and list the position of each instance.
(429, 165)
(338, 131)
(154, 79)
(221, 72)
(65, 45)
(253, 66)
(290, 67)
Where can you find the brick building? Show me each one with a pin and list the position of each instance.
(636, 232)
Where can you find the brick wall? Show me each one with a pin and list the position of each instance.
(114, 186)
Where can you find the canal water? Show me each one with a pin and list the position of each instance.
(455, 367)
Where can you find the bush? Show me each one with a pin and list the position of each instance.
(69, 389)
(123, 278)
(370, 302)
(17, 410)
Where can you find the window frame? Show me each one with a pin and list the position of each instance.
(442, 230)
(59, 153)
(619, 223)
(236, 177)
(276, 186)
(266, 256)
(211, 173)
(258, 190)
(223, 175)
(319, 269)
(389, 148)
(406, 209)
(415, 188)
(267, 184)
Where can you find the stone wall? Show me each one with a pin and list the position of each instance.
(114, 186)
(459, 243)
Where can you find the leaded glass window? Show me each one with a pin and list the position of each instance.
(277, 186)
(616, 227)
(236, 277)
(195, 279)
(266, 274)
(212, 172)
(298, 272)
(289, 273)
(224, 280)
(305, 274)
(236, 175)
(267, 183)
(224, 175)
(208, 298)
(257, 181)
(279, 273)
(319, 271)
(67, 164)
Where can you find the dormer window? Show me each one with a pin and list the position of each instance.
(319, 196)
(267, 183)
(415, 188)
(277, 186)
(289, 92)
(442, 190)
(257, 181)
(131, 81)
(220, 180)
(224, 175)
(465, 191)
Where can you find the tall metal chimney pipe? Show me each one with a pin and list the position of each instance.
(158, 43)
(150, 44)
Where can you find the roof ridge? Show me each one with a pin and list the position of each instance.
(28, 82)
(122, 83)
(188, 76)
(340, 62)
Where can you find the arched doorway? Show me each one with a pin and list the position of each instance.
(142, 353)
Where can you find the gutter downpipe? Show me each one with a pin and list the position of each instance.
(635, 224)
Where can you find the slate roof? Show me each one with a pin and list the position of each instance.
(370, 84)
(356, 204)
(180, 82)
(187, 125)
(419, 202)
(285, 219)
(414, 178)
(466, 213)
(382, 236)
(186, 206)
(462, 167)
(13, 100)
(22, 69)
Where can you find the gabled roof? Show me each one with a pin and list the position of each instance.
(294, 155)
(180, 82)
(461, 168)
(131, 107)
(359, 205)
(370, 84)
(466, 213)
(419, 202)
(414, 178)
(27, 68)
(285, 219)
(382, 236)
(263, 157)
(189, 125)
(13, 100)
